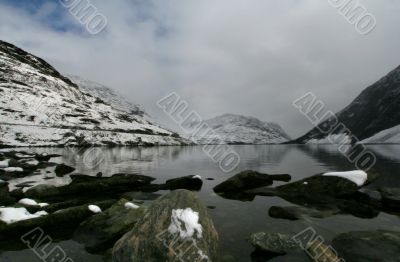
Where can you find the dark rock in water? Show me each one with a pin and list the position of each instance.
(363, 246)
(82, 185)
(17, 193)
(248, 180)
(62, 170)
(274, 243)
(295, 212)
(66, 219)
(46, 157)
(100, 174)
(319, 185)
(165, 234)
(187, 182)
(391, 198)
(210, 179)
(5, 197)
(102, 230)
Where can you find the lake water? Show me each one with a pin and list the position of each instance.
(236, 220)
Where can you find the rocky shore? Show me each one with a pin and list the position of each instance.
(107, 214)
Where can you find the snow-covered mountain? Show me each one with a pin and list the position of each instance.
(108, 95)
(41, 107)
(237, 129)
(376, 109)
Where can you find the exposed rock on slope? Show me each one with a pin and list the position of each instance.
(376, 109)
(41, 107)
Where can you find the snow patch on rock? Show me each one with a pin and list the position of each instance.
(185, 222)
(359, 177)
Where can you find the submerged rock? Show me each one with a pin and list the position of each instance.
(296, 212)
(176, 227)
(318, 251)
(102, 230)
(62, 170)
(274, 243)
(363, 246)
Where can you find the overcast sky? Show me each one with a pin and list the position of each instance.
(222, 56)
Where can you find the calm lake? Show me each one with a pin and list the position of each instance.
(234, 220)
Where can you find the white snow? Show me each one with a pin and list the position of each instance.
(197, 177)
(31, 202)
(336, 139)
(10, 214)
(4, 163)
(13, 169)
(95, 209)
(230, 128)
(359, 177)
(130, 205)
(185, 222)
(35, 104)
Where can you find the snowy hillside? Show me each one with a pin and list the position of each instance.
(41, 107)
(388, 136)
(236, 129)
(108, 95)
(376, 109)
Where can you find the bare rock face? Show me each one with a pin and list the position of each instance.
(176, 227)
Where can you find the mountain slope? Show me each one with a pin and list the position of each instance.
(108, 95)
(41, 107)
(237, 129)
(377, 108)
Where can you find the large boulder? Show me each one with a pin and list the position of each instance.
(83, 185)
(66, 219)
(365, 246)
(102, 230)
(248, 180)
(176, 227)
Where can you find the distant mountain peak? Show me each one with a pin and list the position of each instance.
(238, 129)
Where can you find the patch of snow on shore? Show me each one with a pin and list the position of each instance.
(31, 202)
(10, 215)
(359, 177)
(4, 163)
